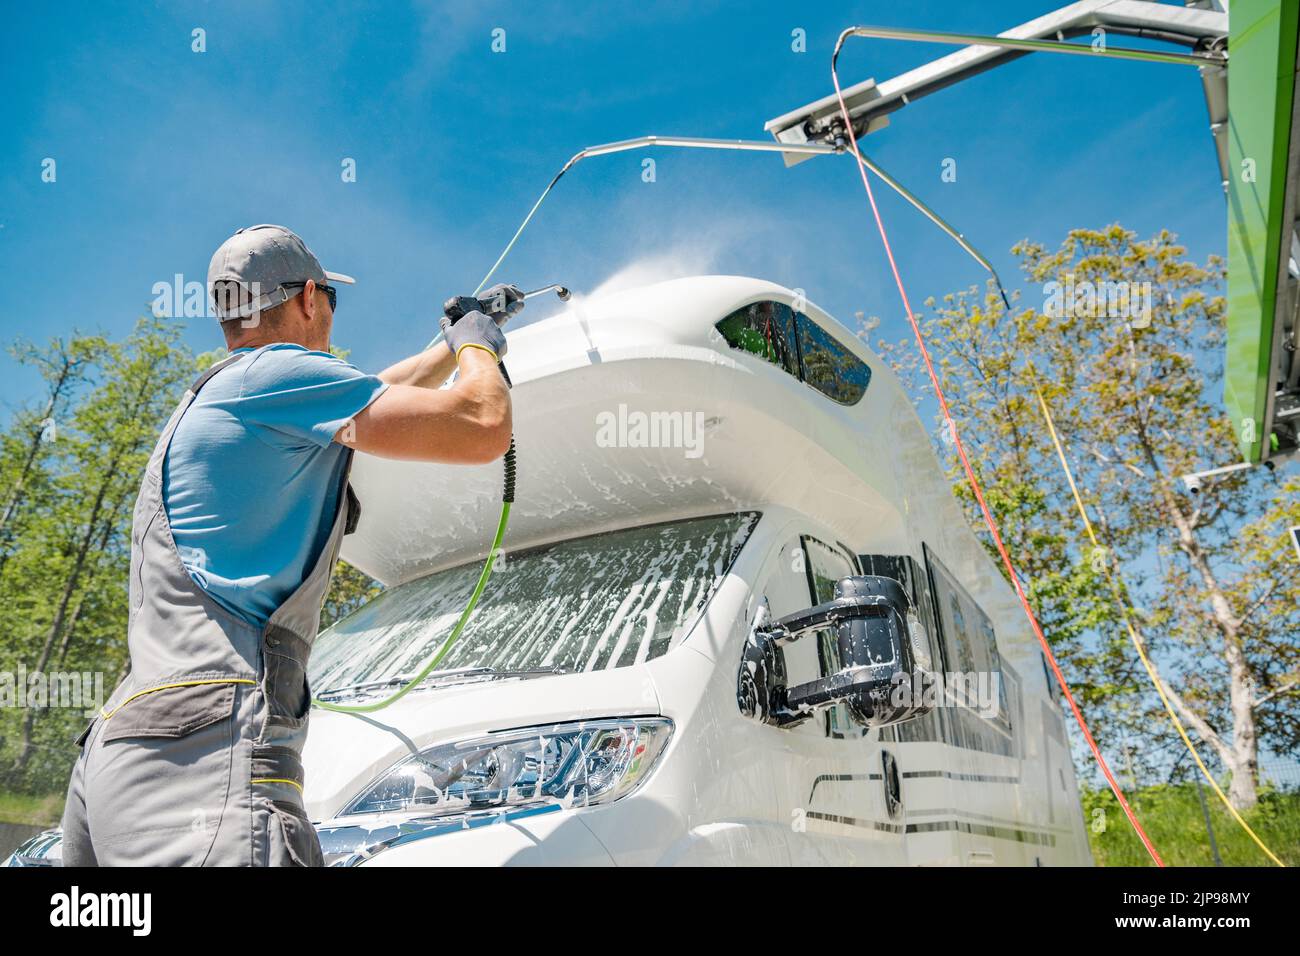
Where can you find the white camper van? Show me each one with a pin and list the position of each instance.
(732, 554)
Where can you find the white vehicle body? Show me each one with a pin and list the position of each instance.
(827, 481)
(860, 479)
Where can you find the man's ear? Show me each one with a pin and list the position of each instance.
(309, 300)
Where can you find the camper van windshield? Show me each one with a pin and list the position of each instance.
(609, 600)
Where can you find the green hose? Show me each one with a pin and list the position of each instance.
(451, 638)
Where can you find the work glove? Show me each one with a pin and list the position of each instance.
(502, 301)
(474, 330)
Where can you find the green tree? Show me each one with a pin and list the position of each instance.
(70, 469)
(349, 589)
(32, 432)
(1127, 350)
(79, 544)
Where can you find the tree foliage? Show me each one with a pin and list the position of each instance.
(1126, 347)
(70, 467)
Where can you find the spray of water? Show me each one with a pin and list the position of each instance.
(674, 264)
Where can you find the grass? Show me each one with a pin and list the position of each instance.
(1172, 816)
(34, 810)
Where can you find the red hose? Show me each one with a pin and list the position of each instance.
(970, 474)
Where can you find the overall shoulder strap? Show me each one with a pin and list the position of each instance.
(213, 370)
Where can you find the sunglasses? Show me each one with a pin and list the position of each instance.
(331, 293)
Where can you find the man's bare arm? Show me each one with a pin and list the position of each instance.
(466, 424)
(427, 369)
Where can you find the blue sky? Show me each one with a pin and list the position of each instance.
(162, 153)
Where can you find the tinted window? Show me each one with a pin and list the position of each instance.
(905, 569)
(765, 329)
(1015, 704)
(969, 643)
(829, 366)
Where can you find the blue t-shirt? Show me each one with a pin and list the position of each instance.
(251, 480)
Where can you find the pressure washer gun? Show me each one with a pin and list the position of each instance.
(501, 303)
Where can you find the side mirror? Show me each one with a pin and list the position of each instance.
(883, 649)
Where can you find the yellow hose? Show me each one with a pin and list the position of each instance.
(1118, 591)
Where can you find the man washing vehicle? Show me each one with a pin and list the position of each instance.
(194, 759)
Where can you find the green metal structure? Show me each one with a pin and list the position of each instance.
(1261, 373)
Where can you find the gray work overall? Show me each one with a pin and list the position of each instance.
(195, 758)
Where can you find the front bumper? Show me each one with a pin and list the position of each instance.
(548, 835)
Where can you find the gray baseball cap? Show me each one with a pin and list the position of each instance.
(262, 260)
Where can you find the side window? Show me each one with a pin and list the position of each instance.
(959, 645)
(825, 566)
(1051, 680)
(765, 329)
(1015, 705)
(972, 665)
(829, 366)
(931, 727)
(785, 591)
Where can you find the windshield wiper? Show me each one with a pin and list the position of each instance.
(443, 677)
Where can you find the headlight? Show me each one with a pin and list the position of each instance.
(579, 764)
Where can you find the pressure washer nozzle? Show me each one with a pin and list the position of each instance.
(559, 290)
